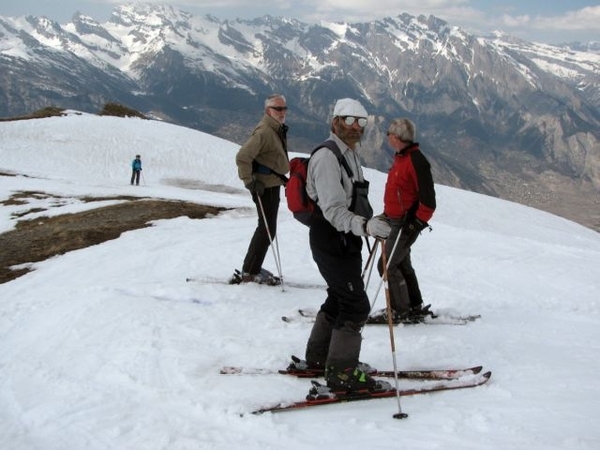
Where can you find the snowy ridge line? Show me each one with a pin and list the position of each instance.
(286, 283)
(426, 388)
(413, 374)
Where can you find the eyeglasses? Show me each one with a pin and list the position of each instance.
(349, 120)
(278, 108)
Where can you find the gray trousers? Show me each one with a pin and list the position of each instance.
(402, 279)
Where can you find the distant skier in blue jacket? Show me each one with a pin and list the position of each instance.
(136, 168)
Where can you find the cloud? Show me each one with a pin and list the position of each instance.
(515, 21)
(585, 19)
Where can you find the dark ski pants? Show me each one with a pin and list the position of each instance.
(259, 244)
(402, 279)
(412, 283)
(335, 339)
(135, 176)
(339, 259)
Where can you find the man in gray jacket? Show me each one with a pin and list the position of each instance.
(342, 218)
(262, 163)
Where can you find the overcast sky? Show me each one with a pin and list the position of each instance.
(551, 21)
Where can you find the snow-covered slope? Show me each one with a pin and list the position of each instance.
(109, 348)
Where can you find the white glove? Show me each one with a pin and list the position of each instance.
(378, 227)
(357, 226)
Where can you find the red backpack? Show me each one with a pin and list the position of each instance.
(298, 201)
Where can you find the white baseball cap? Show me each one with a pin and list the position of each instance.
(349, 107)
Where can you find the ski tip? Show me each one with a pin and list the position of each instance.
(487, 375)
(476, 369)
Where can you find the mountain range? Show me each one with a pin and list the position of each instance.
(494, 114)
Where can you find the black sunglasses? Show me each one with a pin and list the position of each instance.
(349, 120)
(278, 108)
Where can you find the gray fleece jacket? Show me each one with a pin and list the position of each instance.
(334, 198)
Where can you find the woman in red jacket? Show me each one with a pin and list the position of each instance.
(409, 203)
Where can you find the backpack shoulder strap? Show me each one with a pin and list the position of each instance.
(260, 168)
(331, 145)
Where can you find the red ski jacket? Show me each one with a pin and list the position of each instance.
(409, 186)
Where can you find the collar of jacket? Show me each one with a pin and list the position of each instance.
(279, 128)
(274, 123)
(409, 148)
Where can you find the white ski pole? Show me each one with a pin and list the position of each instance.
(275, 254)
(399, 414)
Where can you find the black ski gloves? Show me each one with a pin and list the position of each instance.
(256, 187)
(411, 231)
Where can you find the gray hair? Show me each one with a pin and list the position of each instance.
(269, 100)
(404, 129)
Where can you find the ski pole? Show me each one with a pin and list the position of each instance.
(369, 265)
(399, 414)
(386, 266)
(275, 254)
(370, 256)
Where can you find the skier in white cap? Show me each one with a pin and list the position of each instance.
(342, 218)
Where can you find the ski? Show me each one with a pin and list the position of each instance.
(292, 284)
(440, 319)
(325, 397)
(297, 319)
(426, 374)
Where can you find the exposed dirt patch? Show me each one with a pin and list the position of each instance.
(39, 239)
